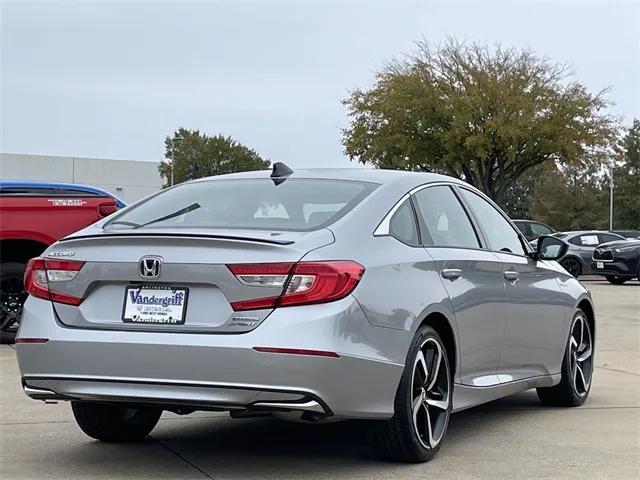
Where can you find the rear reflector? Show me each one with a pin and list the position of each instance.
(302, 283)
(297, 351)
(31, 340)
(42, 275)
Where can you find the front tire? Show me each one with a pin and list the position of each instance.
(422, 405)
(115, 423)
(577, 367)
(572, 266)
(615, 280)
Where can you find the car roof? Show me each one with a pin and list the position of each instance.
(27, 184)
(374, 175)
(574, 233)
(523, 220)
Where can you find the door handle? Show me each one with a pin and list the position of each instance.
(451, 273)
(511, 275)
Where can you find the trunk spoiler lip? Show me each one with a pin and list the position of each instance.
(240, 238)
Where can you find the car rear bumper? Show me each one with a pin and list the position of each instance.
(221, 370)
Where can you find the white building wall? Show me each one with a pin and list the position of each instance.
(129, 180)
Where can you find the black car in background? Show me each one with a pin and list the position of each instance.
(617, 261)
(532, 229)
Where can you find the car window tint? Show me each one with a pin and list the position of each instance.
(403, 225)
(539, 229)
(607, 237)
(500, 234)
(298, 204)
(524, 228)
(444, 218)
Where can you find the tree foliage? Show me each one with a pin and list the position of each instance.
(626, 181)
(570, 199)
(197, 155)
(486, 115)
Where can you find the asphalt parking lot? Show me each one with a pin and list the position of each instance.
(511, 438)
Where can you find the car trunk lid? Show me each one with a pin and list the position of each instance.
(193, 265)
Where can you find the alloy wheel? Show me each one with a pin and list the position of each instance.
(581, 355)
(572, 266)
(430, 393)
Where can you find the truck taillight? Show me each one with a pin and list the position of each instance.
(302, 283)
(106, 209)
(42, 275)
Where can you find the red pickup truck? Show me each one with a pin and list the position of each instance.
(33, 215)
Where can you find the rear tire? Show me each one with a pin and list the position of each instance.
(616, 280)
(12, 297)
(422, 405)
(577, 367)
(115, 423)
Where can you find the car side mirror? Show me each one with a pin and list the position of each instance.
(550, 248)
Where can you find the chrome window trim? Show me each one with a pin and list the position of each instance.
(383, 227)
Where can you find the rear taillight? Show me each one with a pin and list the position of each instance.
(302, 283)
(43, 275)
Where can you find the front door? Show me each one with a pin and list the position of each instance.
(535, 305)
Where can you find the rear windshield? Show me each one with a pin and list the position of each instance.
(295, 204)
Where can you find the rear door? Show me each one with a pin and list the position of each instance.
(471, 275)
(535, 305)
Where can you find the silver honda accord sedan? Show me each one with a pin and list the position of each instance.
(318, 294)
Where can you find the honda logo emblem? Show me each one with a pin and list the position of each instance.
(149, 267)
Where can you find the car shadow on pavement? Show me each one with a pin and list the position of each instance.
(258, 447)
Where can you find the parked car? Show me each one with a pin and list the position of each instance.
(33, 216)
(532, 229)
(398, 297)
(632, 234)
(581, 244)
(618, 261)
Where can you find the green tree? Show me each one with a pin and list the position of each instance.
(570, 199)
(486, 115)
(626, 181)
(197, 155)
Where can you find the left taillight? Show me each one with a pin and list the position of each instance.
(43, 275)
(302, 283)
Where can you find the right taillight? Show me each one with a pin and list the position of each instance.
(303, 283)
(42, 275)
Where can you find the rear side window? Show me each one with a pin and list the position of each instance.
(254, 203)
(444, 218)
(540, 229)
(607, 237)
(500, 234)
(403, 225)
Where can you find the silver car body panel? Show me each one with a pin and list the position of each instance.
(509, 335)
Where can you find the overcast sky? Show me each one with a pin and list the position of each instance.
(111, 79)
